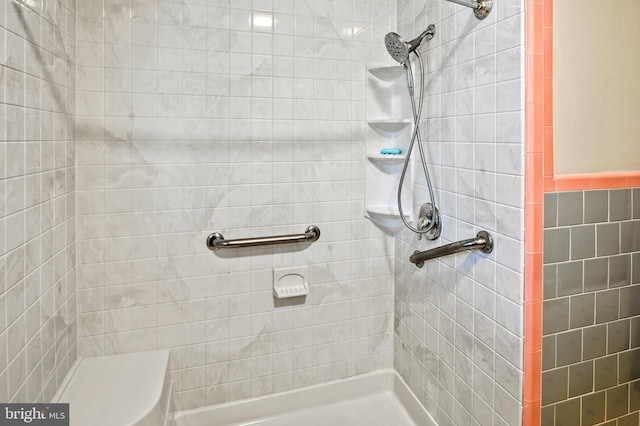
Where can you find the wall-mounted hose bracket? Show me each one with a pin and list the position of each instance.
(429, 220)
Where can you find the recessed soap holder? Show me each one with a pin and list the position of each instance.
(290, 282)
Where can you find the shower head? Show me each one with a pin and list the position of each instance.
(400, 49)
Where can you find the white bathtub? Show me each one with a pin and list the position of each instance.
(380, 398)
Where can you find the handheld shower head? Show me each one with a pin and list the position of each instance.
(396, 47)
(400, 49)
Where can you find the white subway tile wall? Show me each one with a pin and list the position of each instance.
(37, 200)
(245, 118)
(459, 320)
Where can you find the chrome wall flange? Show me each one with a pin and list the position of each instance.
(488, 246)
(312, 229)
(484, 8)
(480, 8)
(211, 241)
(418, 264)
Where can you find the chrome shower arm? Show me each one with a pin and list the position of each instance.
(480, 8)
(468, 3)
(425, 35)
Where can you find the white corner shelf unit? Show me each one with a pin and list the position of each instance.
(389, 125)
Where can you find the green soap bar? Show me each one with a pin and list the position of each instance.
(392, 151)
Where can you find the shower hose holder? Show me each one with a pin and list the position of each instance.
(429, 218)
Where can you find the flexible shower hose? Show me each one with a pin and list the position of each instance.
(416, 136)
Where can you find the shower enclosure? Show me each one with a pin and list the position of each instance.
(134, 129)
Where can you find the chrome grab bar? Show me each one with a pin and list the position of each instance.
(480, 8)
(482, 242)
(216, 241)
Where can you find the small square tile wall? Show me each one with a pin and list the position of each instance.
(459, 319)
(247, 118)
(37, 197)
(591, 308)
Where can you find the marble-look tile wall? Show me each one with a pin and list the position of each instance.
(245, 118)
(459, 320)
(37, 199)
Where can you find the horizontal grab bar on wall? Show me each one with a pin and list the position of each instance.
(482, 242)
(216, 241)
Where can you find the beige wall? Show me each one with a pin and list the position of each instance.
(596, 86)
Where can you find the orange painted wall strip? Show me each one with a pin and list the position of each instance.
(594, 181)
(535, 162)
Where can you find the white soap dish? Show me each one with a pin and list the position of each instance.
(290, 282)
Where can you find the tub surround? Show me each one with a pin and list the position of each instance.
(213, 115)
(245, 118)
(37, 198)
(459, 320)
